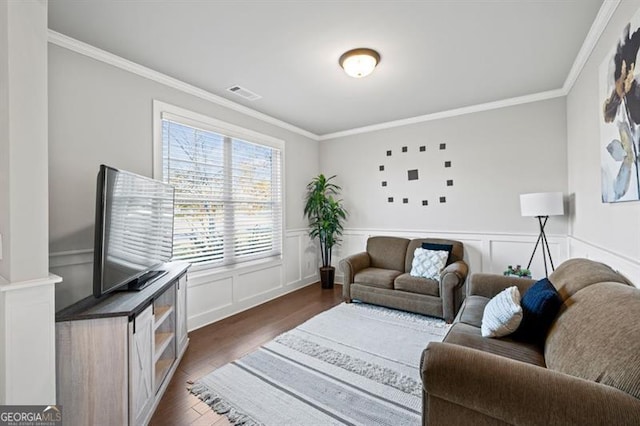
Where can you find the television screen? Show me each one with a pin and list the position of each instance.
(134, 230)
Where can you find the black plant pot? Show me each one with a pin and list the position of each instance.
(327, 276)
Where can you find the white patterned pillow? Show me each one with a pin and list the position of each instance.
(503, 313)
(428, 263)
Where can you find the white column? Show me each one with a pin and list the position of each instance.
(27, 308)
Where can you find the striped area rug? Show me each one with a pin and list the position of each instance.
(354, 364)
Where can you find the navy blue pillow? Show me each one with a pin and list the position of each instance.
(540, 306)
(439, 247)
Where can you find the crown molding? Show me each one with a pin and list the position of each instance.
(597, 28)
(448, 114)
(109, 58)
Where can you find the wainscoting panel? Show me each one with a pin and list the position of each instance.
(212, 294)
(518, 252)
(310, 257)
(256, 283)
(293, 265)
(206, 298)
(628, 267)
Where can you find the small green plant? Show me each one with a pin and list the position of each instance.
(325, 213)
(518, 271)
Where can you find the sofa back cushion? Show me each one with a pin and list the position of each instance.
(457, 252)
(596, 337)
(387, 252)
(575, 274)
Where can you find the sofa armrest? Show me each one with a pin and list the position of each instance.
(518, 393)
(452, 278)
(488, 285)
(350, 266)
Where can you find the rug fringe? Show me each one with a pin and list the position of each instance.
(221, 406)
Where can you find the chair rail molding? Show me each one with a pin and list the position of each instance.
(483, 252)
(213, 294)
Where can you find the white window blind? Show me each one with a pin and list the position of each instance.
(228, 194)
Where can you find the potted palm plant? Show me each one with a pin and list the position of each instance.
(326, 217)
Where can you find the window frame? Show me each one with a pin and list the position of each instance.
(207, 123)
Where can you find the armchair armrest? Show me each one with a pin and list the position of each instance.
(350, 266)
(518, 393)
(488, 285)
(452, 279)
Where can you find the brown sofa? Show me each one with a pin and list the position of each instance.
(586, 373)
(380, 276)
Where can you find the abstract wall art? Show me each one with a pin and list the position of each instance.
(620, 118)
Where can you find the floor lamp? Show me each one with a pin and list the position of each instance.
(542, 205)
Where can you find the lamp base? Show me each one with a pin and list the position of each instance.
(545, 246)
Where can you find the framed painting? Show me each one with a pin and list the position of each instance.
(620, 118)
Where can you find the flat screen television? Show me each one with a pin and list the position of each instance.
(133, 231)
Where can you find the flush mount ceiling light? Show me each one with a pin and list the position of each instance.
(360, 62)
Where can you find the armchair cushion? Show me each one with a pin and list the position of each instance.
(575, 274)
(472, 310)
(376, 277)
(597, 337)
(406, 282)
(387, 252)
(470, 337)
(488, 285)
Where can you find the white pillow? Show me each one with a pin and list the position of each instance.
(428, 263)
(503, 313)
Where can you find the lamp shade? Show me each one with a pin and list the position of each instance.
(542, 204)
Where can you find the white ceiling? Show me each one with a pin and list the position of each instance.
(436, 55)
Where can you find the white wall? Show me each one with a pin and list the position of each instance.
(495, 156)
(99, 113)
(608, 232)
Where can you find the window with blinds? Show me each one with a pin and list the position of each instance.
(228, 193)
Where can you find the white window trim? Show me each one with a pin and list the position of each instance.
(164, 110)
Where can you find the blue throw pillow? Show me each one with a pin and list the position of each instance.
(540, 306)
(439, 247)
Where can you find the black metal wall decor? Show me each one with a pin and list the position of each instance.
(414, 174)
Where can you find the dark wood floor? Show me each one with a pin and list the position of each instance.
(217, 344)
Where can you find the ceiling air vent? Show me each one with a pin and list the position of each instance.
(244, 93)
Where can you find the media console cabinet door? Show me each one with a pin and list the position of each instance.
(141, 369)
(92, 359)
